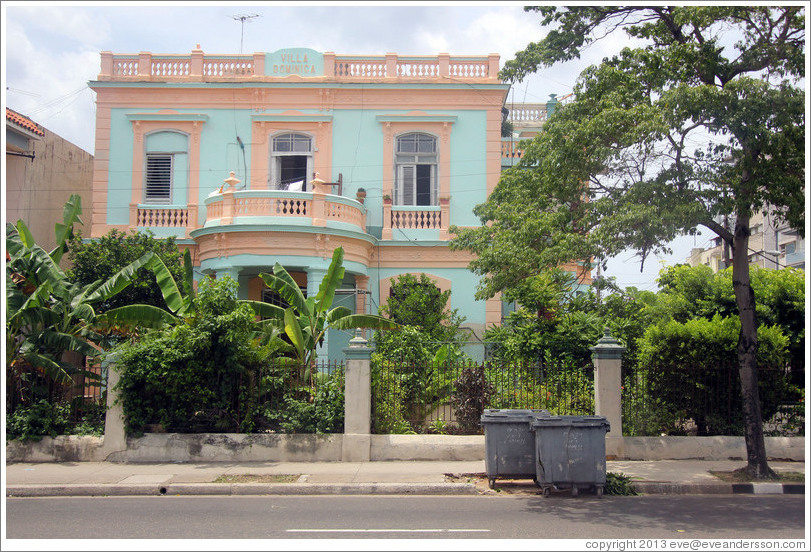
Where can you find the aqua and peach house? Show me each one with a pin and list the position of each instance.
(249, 160)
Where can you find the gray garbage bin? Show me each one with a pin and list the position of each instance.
(570, 452)
(510, 443)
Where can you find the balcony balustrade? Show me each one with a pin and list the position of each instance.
(146, 66)
(283, 207)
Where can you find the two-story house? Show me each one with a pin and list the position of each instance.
(249, 160)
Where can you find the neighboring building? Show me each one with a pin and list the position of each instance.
(42, 171)
(772, 244)
(249, 160)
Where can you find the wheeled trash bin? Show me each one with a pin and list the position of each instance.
(570, 453)
(510, 443)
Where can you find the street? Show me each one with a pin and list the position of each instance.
(403, 517)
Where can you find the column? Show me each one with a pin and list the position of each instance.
(357, 438)
(607, 358)
(115, 438)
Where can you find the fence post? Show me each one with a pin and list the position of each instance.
(607, 358)
(115, 438)
(357, 438)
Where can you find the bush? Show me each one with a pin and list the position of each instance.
(199, 375)
(688, 376)
(472, 393)
(41, 419)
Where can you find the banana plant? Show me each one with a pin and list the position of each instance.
(307, 319)
(47, 315)
(130, 318)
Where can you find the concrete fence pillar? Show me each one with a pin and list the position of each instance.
(115, 438)
(357, 439)
(607, 358)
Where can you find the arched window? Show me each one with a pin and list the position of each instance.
(166, 165)
(291, 162)
(416, 167)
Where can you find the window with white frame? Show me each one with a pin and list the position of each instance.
(416, 167)
(165, 166)
(291, 161)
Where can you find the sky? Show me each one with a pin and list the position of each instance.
(51, 50)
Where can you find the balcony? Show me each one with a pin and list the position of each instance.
(200, 67)
(278, 207)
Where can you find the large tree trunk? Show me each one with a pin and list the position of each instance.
(757, 464)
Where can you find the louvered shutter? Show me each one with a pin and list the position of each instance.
(158, 178)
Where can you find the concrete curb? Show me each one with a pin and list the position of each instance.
(656, 487)
(239, 489)
(257, 489)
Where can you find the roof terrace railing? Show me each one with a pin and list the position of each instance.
(146, 66)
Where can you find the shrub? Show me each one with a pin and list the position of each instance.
(472, 393)
(689, 370)
(41, 419)
(199, 375)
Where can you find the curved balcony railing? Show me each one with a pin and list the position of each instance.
(283, 207)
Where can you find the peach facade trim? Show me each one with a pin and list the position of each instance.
(442, 283)
(270, 243)
(141, 129)
(264, 101)
(262, 133)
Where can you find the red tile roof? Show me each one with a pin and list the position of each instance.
(23, 121)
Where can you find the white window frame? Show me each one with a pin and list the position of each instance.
(274, 182)
(406, 164)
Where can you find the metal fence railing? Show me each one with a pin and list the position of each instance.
(450, 398)
(701, 401)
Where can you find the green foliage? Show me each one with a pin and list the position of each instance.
(198, 375)
(618, 484)
(100, 258)
(306, 320)
(684, 366)
(323, 414)
(40, 419)
(420, 303)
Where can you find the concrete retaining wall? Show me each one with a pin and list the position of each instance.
(232, 447)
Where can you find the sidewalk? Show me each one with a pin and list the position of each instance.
(411, 477)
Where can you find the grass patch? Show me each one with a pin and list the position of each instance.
(740, 476)
(252, 478)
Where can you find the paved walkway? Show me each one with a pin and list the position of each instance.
(411, 477)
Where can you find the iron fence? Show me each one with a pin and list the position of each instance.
(450, 398)
(707, 401)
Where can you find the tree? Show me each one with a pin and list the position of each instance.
(701, 124)
(420, 303)
(306, 320)
(101, 258)
(47, 314)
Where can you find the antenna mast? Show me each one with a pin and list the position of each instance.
(243, 18)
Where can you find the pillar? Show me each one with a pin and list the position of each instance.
(357, 438)
(607, 358)
(115, 438)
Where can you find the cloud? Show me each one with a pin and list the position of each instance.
(54, 24)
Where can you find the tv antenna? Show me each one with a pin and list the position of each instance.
(243, 18)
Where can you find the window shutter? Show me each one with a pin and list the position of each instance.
(407, 182)
(158, 178)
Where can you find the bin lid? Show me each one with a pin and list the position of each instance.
(512, 415)
(579, 421)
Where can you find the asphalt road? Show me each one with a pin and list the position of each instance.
(404, 517)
